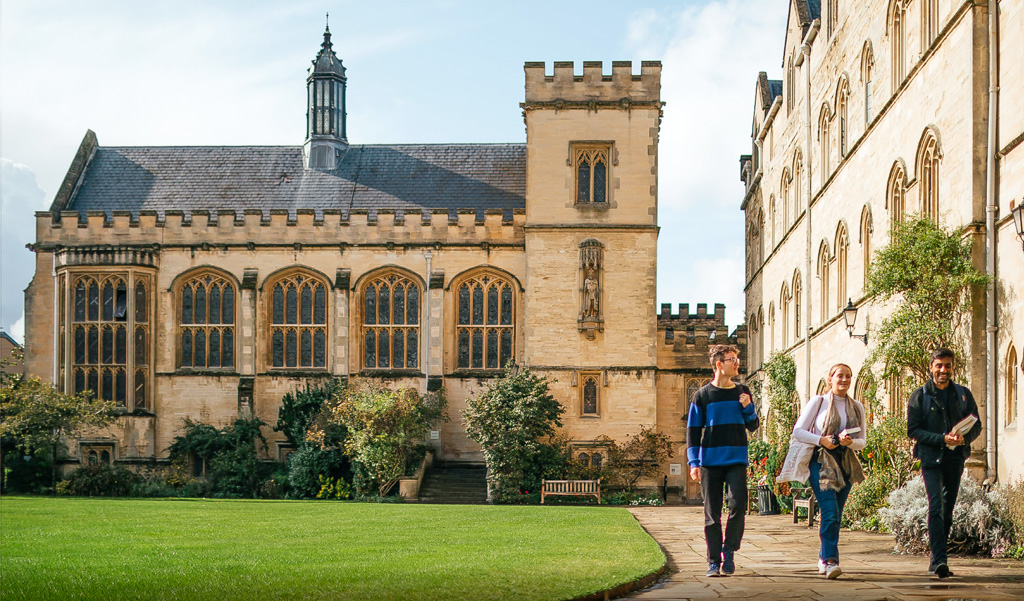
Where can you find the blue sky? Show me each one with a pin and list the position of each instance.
(230, 73)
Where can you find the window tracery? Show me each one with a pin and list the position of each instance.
(391, 322)
(110, 337)
(298, 322)
(206, 329)
(485, 330)
(590, 164)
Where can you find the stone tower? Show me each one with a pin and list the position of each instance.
(326, 137)
(591, 241)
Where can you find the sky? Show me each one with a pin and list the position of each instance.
(445, 71)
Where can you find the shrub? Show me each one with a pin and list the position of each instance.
(299, 409)
(981, 520)
(514, 420)
(866, 498)
(383, 429)
(639, 456)
(27, 476)
(1014, 494)
(99, 480)
(334, 489)
(231, 453)
(310, 463)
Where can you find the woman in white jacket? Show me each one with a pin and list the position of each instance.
(832, 427)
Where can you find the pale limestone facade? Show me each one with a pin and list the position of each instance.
(580, 274)
(879, 121)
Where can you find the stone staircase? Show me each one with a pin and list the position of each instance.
(455, 483)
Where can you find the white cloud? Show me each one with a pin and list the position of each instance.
(17, 330)
(711, 54)
(21, 197)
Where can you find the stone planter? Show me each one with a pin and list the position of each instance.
(409, 488)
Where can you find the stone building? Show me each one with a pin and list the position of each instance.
(206, 282)
(889, 108)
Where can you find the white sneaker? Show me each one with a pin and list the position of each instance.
(821, 566)
(832, 571)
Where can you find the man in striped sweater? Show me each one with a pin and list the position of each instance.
(720, 413)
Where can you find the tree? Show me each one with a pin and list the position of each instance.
(639, 456)
(510, 420)
(927, 273)
(383, 428)
(38, 418)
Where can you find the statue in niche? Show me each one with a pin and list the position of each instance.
(591, 307)
(591, 264)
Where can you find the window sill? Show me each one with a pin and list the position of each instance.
(122, 412)
(390, 373)
(206, 371)
(293, 372)
(592, 206)
(590, 416)
(476, 373)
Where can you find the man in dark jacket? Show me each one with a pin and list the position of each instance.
(932, 412)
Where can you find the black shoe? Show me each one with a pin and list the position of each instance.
(942, 571)
(714, 570)
(728, 563)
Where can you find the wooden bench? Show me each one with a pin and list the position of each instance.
(806, 502)
(570, 488)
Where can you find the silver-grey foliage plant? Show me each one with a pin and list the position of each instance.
(981, 521)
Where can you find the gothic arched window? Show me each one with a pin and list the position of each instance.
(391, 322)
(865, 242)
(842, 250)
(485, 325)
(823, 277)
(589, 394)
(896, 195)
(206, 329)
(110, 336)
(898, 42)
(842, 110)
(928, 175)
(797, 292)
(590, 164)
(1011, 385)
(298, 322)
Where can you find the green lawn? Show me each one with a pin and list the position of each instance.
(207, 549)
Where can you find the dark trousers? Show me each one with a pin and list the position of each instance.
(734, 479)
(942, 483)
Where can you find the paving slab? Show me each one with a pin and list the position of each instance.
(778, 560)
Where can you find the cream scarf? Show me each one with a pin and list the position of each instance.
(831, 474)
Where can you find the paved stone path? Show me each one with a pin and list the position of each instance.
(777, 560)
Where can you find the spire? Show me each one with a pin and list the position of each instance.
(326, 135)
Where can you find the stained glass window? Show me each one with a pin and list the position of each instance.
(109, 337)
(391, 317)
(298, 327)
(591, 169)
(590, 404)
(484, 331)
(206, 332)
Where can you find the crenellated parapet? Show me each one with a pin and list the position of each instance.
(593, 89)
(700, 328)
(281, 227)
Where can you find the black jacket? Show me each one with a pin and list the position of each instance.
(928, 431)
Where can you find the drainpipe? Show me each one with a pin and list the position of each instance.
(991, 209)
(426, 346)
(805, 57)
(56, 323)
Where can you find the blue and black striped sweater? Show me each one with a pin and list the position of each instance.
(716, 426)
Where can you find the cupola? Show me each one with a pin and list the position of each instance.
(326, 138)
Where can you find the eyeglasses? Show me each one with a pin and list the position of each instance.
(735, 360)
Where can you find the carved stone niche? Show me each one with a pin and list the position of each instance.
(591, 279)
(245, 390)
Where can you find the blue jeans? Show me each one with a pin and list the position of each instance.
(831, 503)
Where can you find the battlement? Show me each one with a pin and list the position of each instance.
(458, 227)
(621, 87)
(685, 318)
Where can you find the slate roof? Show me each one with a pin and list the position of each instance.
(408, 176)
